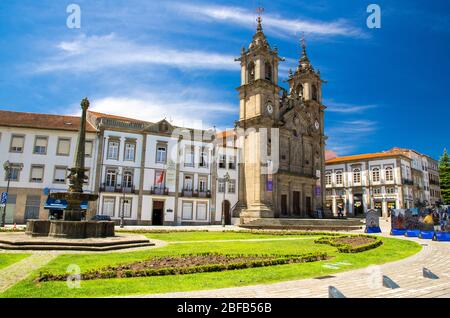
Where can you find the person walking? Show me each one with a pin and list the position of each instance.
(436, 221)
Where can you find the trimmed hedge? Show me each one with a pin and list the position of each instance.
(261, 232)
(347, 248)
(111, 272)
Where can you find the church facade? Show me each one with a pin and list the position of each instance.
(281, 135)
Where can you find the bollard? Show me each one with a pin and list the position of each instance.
(333, 292)
(389, 283)
(429, 274)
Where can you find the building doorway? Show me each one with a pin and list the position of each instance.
(296, 203)
(284, 205)
(226, 213)
(158, 213)
(358, 204)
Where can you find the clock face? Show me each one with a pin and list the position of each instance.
(317, 125)
(269, 108)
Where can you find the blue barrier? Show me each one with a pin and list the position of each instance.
(426, 235)
(443, 237)
(398, 232)
(373, 229)
(412, 233)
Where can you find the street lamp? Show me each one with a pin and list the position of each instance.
(122, 215)
(7, 168)
(226, 179)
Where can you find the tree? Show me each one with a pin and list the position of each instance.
(444, 176)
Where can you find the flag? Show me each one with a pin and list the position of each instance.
(161, 178)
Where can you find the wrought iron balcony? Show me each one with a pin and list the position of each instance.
(159, 190)
(117, 188)
(195, 194)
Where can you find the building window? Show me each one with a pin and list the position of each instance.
(14, 172)
(40, 145)
(232, 186)
(60, 175)
(251, 72)
(111, 177)
(268, 71)
(314, 93)
(88, 147)
(339, 178)
(377, 191)
(32, 207)
(328, 178)
(113, 150)
(222, 161)
(232, 163)
(63, 148)
(389, 174)
(127, 181)
(390, 190)
(189, 156)
(202, 184)
(17, 143)
(203, 159)
(201, 210)
(376, 175)
(130, 151)
(187, 183)
(125, 207)
(356, 176)
(108, 207)
(187, 211)
(161, 154)
(221, 187)
(37, 174)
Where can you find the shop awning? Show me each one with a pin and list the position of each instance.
(56, 204)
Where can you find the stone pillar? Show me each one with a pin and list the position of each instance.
(334, 206)
(384, 211)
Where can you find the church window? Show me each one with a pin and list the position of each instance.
(314, 93)
(299, 90)
(268, 71)
(251, 72)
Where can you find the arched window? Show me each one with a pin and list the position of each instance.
(328, 178)
(314, 93)
(356, 176)
(268, 71)
(339, 179)
(299, 90)
(389, 174)
(376, 175)
(251, 72)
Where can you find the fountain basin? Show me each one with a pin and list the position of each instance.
(70, 229)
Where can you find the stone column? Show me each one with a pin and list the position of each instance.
(384, 211)
(334, 205)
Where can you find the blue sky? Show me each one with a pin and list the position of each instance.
(175, 59)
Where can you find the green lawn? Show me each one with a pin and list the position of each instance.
(8, 259)
(391, 250)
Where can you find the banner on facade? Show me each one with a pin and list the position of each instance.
(171, 174)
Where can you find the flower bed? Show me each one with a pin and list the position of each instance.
(351, 243)
(188, 264)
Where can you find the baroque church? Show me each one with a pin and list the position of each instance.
(281, 134)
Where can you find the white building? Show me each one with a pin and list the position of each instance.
(39, 148)
(383, 181)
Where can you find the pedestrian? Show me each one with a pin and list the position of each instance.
(340, 214)
(436, 221)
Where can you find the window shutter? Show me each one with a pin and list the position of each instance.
(41, 142)
(60, 174)
(64, 146)
(201, 211)
(17, 142)
(37, 173)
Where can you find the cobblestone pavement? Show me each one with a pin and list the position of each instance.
(20, 270)
(365, 283)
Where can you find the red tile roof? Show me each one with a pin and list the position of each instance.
(364, 156)
(102, 115)
(42, 121)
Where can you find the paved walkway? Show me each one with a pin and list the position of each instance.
(365, 282)
(16, 272)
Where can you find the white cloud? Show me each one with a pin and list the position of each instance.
(92, 53)
(180, 110)
(344, 108)
(275, 24)
(346, 137)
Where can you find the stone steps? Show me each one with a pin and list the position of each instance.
(304, 224)
(74, 247)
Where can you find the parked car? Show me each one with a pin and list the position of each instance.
(101, 218)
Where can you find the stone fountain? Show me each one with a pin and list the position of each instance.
(72, 225)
